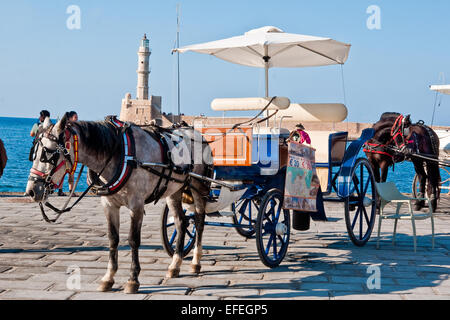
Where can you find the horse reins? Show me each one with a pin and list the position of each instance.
(46, 178)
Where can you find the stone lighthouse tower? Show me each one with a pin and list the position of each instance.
(145, 107)
(143, 70)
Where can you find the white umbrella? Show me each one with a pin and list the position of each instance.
(270, 47)
(445, 89)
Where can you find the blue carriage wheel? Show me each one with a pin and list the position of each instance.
(361, 204)
(272, 229)
(169, 234)
(244, 216)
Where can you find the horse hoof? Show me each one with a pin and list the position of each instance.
(131, 287)
(173, 273)
(195, 268)
(105, 286)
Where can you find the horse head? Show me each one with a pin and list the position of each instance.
(53, 158)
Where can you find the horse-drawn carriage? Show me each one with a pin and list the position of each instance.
(254, 165)
(249, 182)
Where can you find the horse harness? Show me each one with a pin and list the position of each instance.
(398, 133)
(52, 155)
(129, 162)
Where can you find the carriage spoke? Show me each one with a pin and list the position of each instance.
(366, 216)
(172, 239)
(356, 183)
(269, 243)
(281, 240)
(189, 234)
(355, 218)
(277, 217)
(274, 247)
(361, 223)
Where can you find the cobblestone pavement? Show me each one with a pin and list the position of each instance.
(42, 261)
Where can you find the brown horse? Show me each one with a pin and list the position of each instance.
(397, 139)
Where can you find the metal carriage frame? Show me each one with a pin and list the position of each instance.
(259, 212)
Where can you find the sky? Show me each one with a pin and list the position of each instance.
(46, 64)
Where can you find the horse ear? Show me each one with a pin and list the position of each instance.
(61, 125)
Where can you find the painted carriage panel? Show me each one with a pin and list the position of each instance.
(230, 147)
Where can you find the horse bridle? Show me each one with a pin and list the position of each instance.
(52, 156)
(398, 130)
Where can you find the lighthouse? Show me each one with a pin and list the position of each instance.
(143, 70)
(145, 108)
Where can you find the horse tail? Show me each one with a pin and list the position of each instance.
(434, 176)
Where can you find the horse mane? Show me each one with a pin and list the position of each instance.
(98, 137)
(384, 125)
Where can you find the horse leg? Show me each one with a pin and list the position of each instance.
(434, 179)
(113, 220)
(422, 175)
(175, 205)
(199, 226)
(384, 167)
(376, 169)
(134, 239)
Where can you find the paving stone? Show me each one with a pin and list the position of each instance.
(274, 294)
(71, 257)
(180, 297)
(331, 286)
(35, 295)
(320, 264)
(29, 285)
(228, 292)
(359, 280)
(107, 296)
(370, 297)
(196, 282)
(24, 263)
(4, 268)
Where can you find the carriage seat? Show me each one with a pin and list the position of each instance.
(249, 104)
(316, 112)
(330, 151)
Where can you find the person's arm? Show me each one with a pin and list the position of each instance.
(34, 130)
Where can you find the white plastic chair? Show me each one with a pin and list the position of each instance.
(389, 193)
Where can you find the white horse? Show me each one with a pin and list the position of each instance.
(99, 145)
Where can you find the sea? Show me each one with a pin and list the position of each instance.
(15, 133)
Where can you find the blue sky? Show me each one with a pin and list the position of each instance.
(43, 63)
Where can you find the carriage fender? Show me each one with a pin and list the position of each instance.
(351, 155)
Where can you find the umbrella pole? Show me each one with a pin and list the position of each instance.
(266, 71)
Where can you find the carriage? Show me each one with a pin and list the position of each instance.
(250, 173)
(254, 165)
